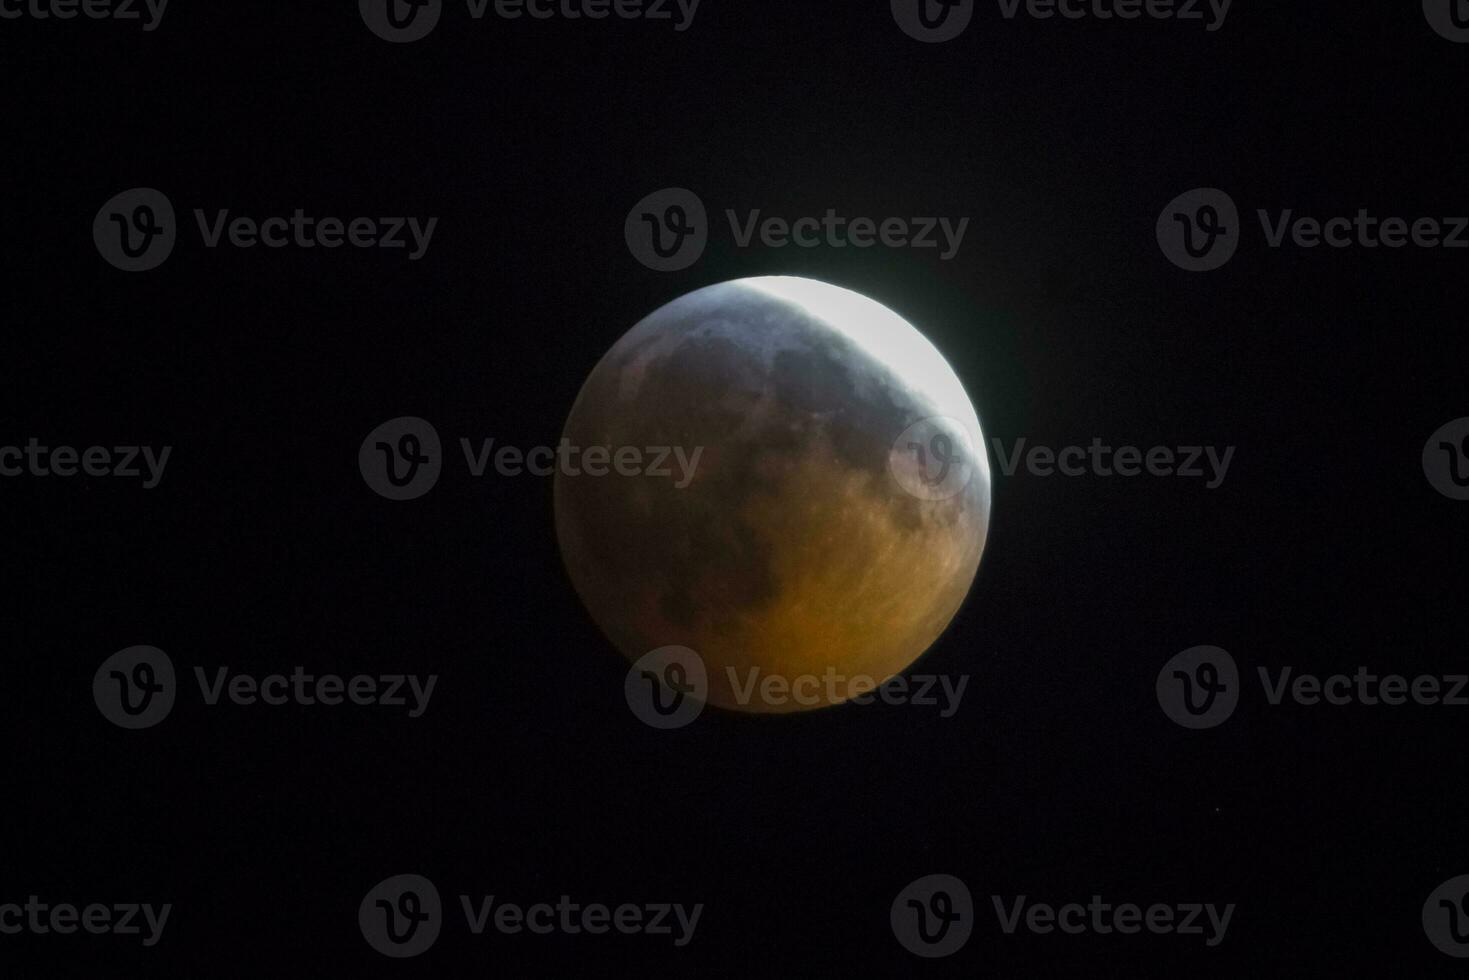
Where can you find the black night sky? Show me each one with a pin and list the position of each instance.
(1324, 550)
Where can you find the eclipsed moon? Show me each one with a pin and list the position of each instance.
(832, 521)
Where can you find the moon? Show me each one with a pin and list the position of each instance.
(824, 497)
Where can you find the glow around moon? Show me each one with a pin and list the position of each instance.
(835, 517)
